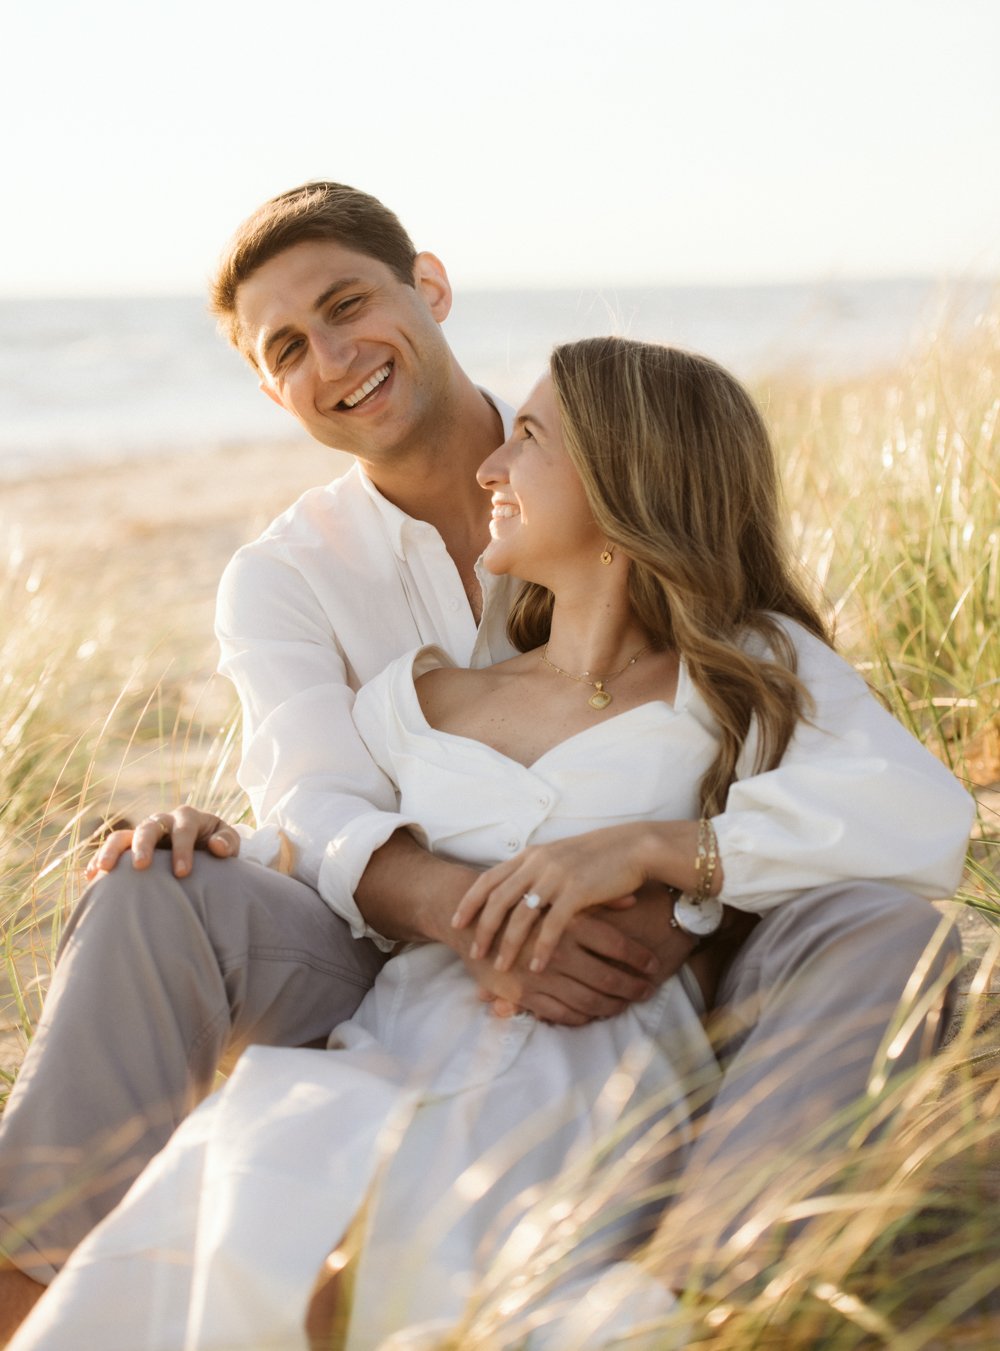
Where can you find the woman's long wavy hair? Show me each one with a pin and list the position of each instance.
(680, 475)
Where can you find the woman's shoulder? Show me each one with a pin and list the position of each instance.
(816, 663)
(773, 631)
(438, 686)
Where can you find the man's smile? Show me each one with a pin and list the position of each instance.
(365, 390)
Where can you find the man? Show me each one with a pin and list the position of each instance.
(164, 969)
(159, 975)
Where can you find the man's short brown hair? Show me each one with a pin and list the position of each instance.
(317, 210)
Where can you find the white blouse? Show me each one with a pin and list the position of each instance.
(855, 796)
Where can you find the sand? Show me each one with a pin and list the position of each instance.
(171, 522)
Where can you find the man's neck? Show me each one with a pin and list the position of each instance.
(436, 480)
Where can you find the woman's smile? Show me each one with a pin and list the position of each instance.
(504, 509)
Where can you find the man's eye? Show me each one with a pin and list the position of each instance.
(288, 351)
(345, 306)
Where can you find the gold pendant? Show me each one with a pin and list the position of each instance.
(600, 698)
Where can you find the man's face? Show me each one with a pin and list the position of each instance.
(353, 353)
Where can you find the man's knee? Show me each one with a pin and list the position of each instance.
(876, 922)
(845, 952)
(131, 907)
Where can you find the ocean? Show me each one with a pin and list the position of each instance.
(116, 378)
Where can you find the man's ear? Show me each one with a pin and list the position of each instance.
(431, 280)
(265, 388)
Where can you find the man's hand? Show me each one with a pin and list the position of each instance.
(184, 829)
(605, 960)
(648, 922)
(638, 947)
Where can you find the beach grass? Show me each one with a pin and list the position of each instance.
(888, 1240)
(108, 710)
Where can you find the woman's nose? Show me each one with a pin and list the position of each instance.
(493, 469)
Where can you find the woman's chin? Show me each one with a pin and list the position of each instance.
(497, 559)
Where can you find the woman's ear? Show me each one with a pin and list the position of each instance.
(431, 280)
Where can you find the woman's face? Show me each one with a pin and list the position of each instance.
(541, 521)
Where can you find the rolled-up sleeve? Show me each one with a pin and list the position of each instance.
(855, 796)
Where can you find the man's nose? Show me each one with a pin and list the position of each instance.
(333, 354)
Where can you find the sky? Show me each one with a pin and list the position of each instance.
(529, 143)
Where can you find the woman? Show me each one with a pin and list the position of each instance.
(676, 716)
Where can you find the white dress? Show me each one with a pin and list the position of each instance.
(443, 1119)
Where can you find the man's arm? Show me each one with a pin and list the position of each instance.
(605, 961)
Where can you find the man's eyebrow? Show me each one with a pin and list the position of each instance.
(332, 290)
(281, 333)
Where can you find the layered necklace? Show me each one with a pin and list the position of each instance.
(601, 697)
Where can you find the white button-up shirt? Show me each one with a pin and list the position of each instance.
(332, 592)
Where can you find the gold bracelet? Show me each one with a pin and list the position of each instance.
(706, 859)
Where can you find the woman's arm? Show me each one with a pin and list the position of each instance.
(855, 797)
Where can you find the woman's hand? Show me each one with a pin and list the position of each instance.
(602, 867)
(187, 829)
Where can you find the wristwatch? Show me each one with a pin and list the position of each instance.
(697, 919)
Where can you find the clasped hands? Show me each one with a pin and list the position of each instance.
(547, 914)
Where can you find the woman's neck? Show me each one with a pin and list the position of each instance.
(598, 635)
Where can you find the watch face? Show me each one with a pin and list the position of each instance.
(698, 918)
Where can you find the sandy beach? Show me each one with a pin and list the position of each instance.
(171, 522)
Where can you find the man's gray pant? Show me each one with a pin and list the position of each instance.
(159, 979)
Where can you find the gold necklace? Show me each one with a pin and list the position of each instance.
(601, 697)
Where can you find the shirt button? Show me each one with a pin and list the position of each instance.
(513, 846)
(544, 800)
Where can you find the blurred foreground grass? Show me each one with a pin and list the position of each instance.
(108, 709)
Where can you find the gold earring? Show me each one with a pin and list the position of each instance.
(607, 554)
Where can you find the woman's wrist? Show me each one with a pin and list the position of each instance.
(669, 853)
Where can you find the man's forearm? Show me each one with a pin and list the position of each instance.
(410, 895)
